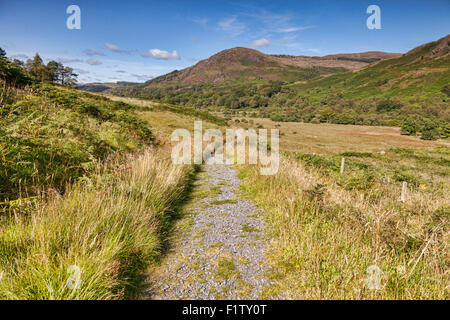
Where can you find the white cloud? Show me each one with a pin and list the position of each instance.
(277, 22)
(68, 60)
(93, 62)
(261, 43)
(115, 48)
(161, 54)
(232, 26)
(271, 18)
(293, 29)
(92, 52)
(202, 21)
(21, 56)
(301, 48)
(142, 77)
(313, 50)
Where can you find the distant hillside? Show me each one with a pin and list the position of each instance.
(101, 87)
(350, 61)
(411, 91)
(392, 90)
(422, 74)
(235, 71)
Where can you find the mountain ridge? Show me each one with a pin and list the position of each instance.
(230, 64)
(242, 63)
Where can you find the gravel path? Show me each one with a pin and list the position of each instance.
(218, 250)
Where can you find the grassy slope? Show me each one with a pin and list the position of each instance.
(51, 136)
(410, 78)
(395, 92)
(114, 216)
(111, 227)
(223, 79)
(334, 138)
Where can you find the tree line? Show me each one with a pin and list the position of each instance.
(15, 72)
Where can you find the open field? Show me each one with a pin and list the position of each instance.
(162, 122)
(334, 138)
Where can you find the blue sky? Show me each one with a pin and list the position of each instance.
(135, 40)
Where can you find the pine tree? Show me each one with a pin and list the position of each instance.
(55, 69)
(37, 69)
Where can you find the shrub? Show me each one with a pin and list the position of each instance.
(446, 90)
(388, 105)
(409, 127)
(50, 138)
(357, 154)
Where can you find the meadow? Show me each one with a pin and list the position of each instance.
(329, 229)
(88, 182)
(86, 196)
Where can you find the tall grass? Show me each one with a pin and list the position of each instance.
(324, 237)
(109, 226)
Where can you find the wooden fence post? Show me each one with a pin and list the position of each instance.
(342, 165)
(404, 189)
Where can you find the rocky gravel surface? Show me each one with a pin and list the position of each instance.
(218, 251)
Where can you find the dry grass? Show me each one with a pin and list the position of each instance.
(324, 237)
(335, 138)
(109, 226)
(163, 122)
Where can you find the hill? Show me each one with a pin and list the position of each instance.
(101, 87)
(410, 90)
(241, 64)
(83, 190)
(414, 85)
(236, 73)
